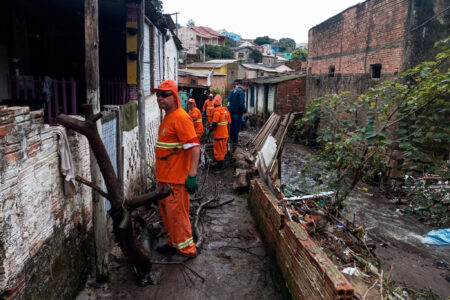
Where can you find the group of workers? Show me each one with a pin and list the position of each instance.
(177, 155)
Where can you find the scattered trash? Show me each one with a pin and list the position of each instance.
(314, 196)
(438, 237)
(351, 271)
(340, 225)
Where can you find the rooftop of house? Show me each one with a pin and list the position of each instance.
(215, 63)
(197, 73)
(275, 79)
(260, 67)
(206, 32)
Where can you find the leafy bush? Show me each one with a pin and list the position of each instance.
(409, 115)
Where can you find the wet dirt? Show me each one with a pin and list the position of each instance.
(232, 259)
(398, 237)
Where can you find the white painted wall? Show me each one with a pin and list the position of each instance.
(146, 68)
(171, 62)
(271, 102)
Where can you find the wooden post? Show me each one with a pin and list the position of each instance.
(141, 97)
(93, 97)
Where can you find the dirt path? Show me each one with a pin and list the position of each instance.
(232, 260)
(398, 238)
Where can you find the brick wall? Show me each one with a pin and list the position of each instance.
(296, 65)
(45, 237)
(217, 82)
(291, 96)
(306, 269)
(365, 34)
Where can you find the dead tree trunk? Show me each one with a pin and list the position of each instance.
(120, 207)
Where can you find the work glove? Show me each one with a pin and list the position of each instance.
(191, 184)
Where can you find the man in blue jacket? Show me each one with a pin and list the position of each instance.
(237, 109)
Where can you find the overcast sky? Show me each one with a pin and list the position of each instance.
(253, 18)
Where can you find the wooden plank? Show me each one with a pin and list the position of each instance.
(91, 41)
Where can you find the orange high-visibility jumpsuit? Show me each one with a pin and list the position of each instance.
(196, 116)
(176, 136)
(222, 117)
(208, 108)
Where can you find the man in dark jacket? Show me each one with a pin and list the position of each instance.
(237, 108)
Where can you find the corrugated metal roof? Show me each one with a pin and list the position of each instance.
(198, 73)
(277, 79)
(259, 67)
(215, 63)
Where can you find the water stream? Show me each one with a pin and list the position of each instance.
(398, 237)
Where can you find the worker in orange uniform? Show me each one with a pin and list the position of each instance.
(208, 107)
(177, 153)
(196, 116)
(220, 121)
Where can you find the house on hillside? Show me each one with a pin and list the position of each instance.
(229, 67)
(281, 94)
(194, 37)
(234, 36)
(371, 42)
(45, 230)
(207, 79)
(251, 71)
(243, 54)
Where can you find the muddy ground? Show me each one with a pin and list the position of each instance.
(398, 238)
(232, 259)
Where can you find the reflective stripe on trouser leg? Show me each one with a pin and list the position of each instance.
(176, 220)
(220, 149)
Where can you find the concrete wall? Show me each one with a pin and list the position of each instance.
(45, 237)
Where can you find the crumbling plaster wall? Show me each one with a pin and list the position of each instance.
(45, 237)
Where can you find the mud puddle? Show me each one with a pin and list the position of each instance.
(399, 238)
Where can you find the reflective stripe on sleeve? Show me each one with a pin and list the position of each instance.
(168, 145)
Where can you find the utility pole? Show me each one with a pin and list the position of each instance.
(141, 96)
(91, 42)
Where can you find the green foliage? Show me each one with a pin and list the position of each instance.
(230, 42)
(261, 40)
(190, 23)
(221, 92)
(300, 54)
(217, 52)
(410, 115)
(286, 44)
(256, 56)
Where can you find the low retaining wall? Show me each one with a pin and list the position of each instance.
(308, 272)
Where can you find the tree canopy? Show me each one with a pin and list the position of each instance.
(286, 44)
(256, 56)
(300, 54)
(261, 40)
(190, 23)
(217, 52)
(230, 42)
